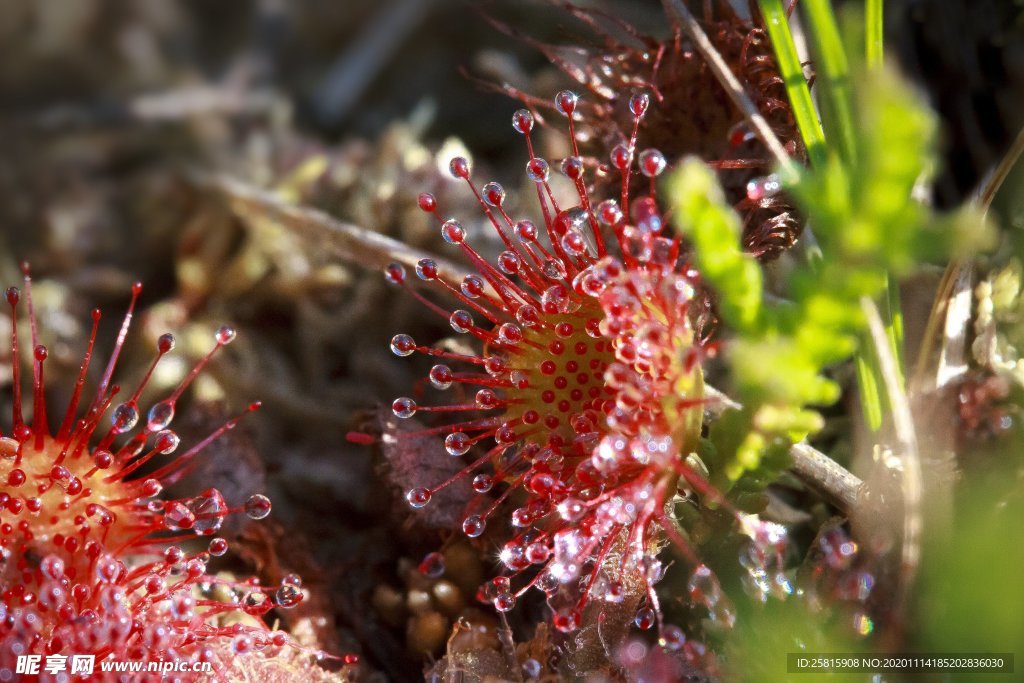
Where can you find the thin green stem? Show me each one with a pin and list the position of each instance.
(873, 34)
(870, 388)
(834, 72)
(891, 309)
(894, 327)
(792, 72)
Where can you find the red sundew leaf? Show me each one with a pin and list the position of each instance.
(415, 461)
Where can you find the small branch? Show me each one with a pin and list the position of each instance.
(826, 476)
(986, 192)
(170, 106)
(686, 21)
(349, 242)
(823, 474)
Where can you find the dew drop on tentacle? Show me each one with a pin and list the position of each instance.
(418, 497)
(652, 163)
(486, 399)
(457, 443)
(645, 618)
(526, 231)
(504, 602)
(125, 417)
(482, 483)
(494, 194)
(432, 565)
(495, 367)
(166, 441)
(459, 167)
(621, 157)
(394, 273)
(572, 167)
(763, 188)
(177, 516)
(553, 269)
(160, 416)
(566, 620)
(225, 335)
(509, 262)
(574, 243)
(537, 170)
(461, 321)
(638, 103)
(565, 102)
(472, 286)
(402, 345)
(403, 407)
(452, 232)
(522, 121)
(257, 506)
(473, 526)
(609, 213)
(510, 334)
(288, 596)
(426, 269)
(165, 343)
(441, 376)
(150, 487)
(538, 553)
(555, 298)
(427, 202)
(528, 315)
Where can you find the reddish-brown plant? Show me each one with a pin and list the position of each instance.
(92, 560)
(587, 397)
(693, 113)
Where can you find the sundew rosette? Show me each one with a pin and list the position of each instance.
(579, 410)
(92, 559)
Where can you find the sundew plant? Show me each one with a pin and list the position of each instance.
(687, 348)
(600, 440)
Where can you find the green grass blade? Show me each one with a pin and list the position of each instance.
(792, 72)
(873, 34)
